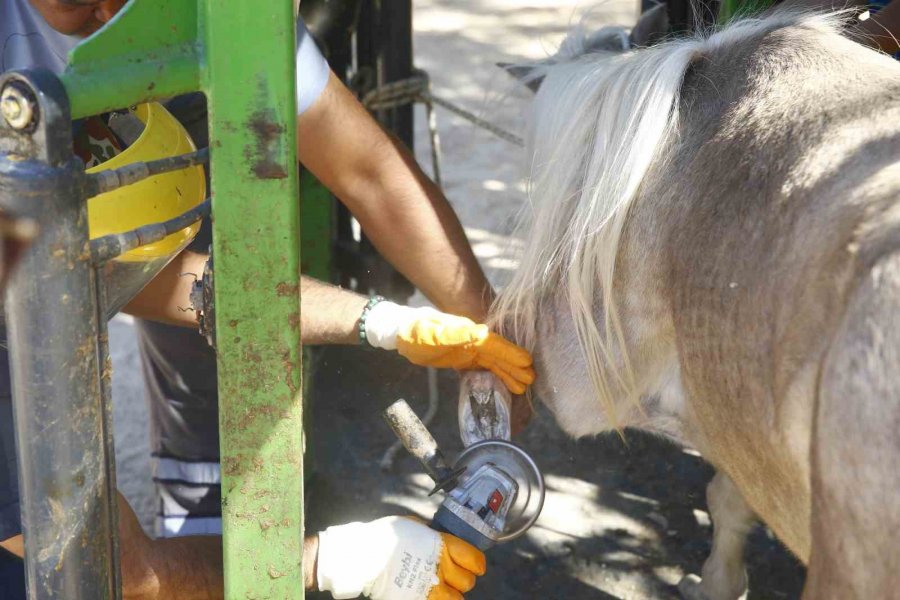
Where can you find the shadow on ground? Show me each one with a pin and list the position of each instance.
(624, 519)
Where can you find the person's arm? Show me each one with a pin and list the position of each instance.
(190, 568)
(173, 569)
(167, 298)
(183, 568)
(332, 315)
(403, 212)
(329, 314)
(424, 336)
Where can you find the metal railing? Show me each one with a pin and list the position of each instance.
(55, 315)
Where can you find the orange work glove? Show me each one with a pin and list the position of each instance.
(395, 558)
(431, 338)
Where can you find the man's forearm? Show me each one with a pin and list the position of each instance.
(412, 224)
(329, 314)
(167, 298)
(184, 568)
(404, 214)
(193, 567)
(181, 568)
(187, 568)
(310, 562)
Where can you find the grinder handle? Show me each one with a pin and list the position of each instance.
(417, 439)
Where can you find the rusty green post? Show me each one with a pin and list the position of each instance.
(241, 53)
(249, 80)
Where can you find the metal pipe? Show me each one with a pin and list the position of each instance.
(65, 467)
(110, 179)
(106, 248)
(105, 362)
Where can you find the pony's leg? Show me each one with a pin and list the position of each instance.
(856, 449)
(724, 575)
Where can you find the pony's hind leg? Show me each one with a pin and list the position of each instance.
(856, 449)
(724, 575)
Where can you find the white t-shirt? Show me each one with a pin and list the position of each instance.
(27, 41)
(312, 69)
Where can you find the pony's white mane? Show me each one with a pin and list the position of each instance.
(599, 121)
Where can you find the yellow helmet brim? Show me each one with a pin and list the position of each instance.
(156, 198)
(152, 200)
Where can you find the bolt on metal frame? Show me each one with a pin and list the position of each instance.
(241, 54)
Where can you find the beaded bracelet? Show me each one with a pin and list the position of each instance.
(363, 340)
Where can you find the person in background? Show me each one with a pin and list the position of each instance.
(413, 226)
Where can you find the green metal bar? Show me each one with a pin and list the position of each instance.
(148, 51)
(241, 54)
(316, 225)
(317, 221)
(249, 79)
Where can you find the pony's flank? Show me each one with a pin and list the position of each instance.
(600, 121)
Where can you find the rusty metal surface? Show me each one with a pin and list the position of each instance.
(66, 479)
(149, 51)
(256, 229)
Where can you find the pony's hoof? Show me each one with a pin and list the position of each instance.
(484, 408)
(689, 588)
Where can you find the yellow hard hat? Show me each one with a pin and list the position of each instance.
(155, 199)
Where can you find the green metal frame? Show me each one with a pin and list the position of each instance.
(241, 54)
(316, 228)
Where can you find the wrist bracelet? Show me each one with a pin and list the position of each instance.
(363, 339)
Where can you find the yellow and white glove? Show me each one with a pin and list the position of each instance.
(396, 558)
(431, 338)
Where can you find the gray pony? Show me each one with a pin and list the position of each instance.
(714, 255)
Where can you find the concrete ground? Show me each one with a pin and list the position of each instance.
(622, 519)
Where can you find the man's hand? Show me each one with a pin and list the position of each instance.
(431, 338)
(396, 559)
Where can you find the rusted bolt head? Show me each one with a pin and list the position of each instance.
(16, 107)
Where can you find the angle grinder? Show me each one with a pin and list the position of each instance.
(494, 490)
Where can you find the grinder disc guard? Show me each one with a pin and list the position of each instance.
(495, 491)
(518, 466)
